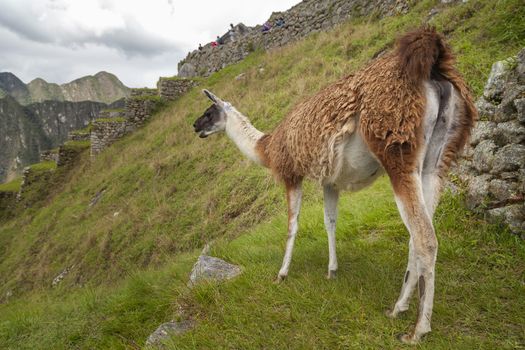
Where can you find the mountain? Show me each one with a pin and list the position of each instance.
(101, 87)
(40, 90)
(124, 229)
(11, 85)
(39, 115)
(28, 130)
(22, 138)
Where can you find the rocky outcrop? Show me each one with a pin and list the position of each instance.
(304, 18)
(494, 166)
(209, 268)
(206, 269)
(167, 330)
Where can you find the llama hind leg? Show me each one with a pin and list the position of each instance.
(331, 197)
(293, 196)
(409, 284)
(431, 186)
(412, 207)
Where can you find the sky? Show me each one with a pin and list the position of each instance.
(137, 40)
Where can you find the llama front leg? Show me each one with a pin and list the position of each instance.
(412, 207)
(293, 196)
(331, 197)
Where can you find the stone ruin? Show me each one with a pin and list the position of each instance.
(140, 106)
(111, 125)
(302, 19)
(494, 164)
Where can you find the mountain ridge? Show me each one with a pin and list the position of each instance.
(101, 87)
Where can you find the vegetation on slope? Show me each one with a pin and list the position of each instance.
(164, 193)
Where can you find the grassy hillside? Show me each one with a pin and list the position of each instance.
(164, 193)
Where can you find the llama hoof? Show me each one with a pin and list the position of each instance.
(391, 314)
(280, 279)
(409, 339)
(394, 313)
(332, 274)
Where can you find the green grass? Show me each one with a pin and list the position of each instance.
(478, 302)
(174, 78)
(109, 110)
(166, 193)
(11, 186)
(110, 120)
(78, 144)
(43, 166)
(155, 98)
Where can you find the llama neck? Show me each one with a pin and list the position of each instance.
(243, 133)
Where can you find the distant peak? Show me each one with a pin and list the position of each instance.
(104, 73)
(10, 75)
(38, 80)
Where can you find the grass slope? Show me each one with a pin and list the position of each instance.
(164, 193)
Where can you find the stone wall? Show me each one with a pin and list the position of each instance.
(494, 165)
(143, 93)
(7, 203)
(68, 155)
(112, 113)
(139, 110)
(172, 88)
(78, 136)
(36, 181)
(106, 131)
(302, 19)
(49, 155)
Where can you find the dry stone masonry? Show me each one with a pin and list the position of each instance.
(104, 132)
(7, 203)
(49, 155)
(304, 18)
(494, 166)
(172, 88)
(68, 154)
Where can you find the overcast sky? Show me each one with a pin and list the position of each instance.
(138, 40)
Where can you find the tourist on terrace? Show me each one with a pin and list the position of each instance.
(266, 27)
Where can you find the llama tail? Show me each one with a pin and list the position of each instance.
(423, 54)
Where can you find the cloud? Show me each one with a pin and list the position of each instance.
(60, 40)
(79, 23)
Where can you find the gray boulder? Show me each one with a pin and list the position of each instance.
(477, 191)
(187, 71)
(496, 83)
(485, 108)
(484, 155)
(209, 268)
(513, 215)
(483, 130)
(509, 158)
(520, 108)
(501, 190)
(509, 132)
(166, 331)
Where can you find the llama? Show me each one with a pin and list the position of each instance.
(408, 113)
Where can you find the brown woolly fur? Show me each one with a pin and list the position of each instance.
(419, 51)
(304, 144)
(386, 99)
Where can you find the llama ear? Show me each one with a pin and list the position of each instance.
(214, 98)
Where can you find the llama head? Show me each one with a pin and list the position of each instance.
(214, 118)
